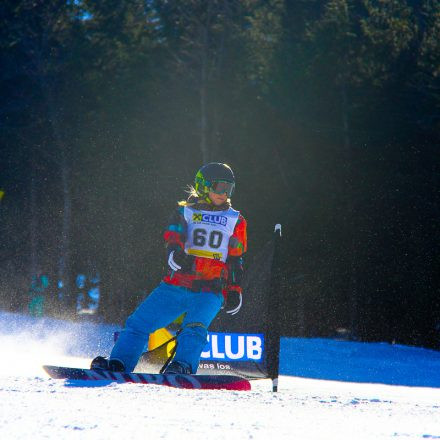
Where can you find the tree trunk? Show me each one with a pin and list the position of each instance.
(203, 99)
(34, 219)
(64, 258)
(350, 214)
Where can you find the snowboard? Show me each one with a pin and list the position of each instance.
(187, 381)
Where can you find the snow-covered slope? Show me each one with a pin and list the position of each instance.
(33, 406)
(360, 362)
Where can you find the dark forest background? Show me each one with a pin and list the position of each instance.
(327, 110)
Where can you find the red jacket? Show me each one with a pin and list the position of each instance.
(206, 274)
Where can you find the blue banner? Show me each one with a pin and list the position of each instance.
(234, 347)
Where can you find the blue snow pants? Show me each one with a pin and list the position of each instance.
(166, 303)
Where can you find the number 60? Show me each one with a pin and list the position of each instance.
(214, 241)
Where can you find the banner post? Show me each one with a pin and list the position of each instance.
(274, 325)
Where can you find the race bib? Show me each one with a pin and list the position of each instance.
(209, 232)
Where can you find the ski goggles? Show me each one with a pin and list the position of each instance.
(222, 187)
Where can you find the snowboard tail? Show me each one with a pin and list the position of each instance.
(187, 381)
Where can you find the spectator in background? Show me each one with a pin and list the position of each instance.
(93, 294)
(80, 296)
(37, 294)
(88, 297)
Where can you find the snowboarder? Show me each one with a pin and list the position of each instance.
(205, 241)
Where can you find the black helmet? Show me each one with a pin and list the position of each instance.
(216, 177)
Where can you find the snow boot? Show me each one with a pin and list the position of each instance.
(116, 365)
(102, 363)
(99, 363)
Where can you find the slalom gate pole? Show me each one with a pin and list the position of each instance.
(274, 325)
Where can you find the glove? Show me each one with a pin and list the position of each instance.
(233, 302)
(174, 266)
(179, 260)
